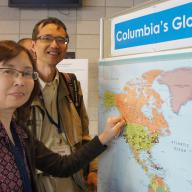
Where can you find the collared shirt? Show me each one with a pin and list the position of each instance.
(52, 138)
(43, 83)
(49, 91)
(10, 178)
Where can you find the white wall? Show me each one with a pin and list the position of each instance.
(83, 29)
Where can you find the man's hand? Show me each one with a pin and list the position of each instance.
(92, 182)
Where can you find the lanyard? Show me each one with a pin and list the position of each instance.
(19, 156)
(57, 124)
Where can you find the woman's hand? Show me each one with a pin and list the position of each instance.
(113, 128)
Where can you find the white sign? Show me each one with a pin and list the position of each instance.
(80, 68)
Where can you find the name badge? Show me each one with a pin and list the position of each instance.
(62, 149)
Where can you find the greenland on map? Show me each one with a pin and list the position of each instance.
(154, 151)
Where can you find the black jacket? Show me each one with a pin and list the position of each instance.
(38, 156)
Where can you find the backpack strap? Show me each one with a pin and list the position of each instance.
(73, 88)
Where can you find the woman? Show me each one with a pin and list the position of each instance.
(20, 153)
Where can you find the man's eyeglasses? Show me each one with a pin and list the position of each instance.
(49, 39)
(12, 73)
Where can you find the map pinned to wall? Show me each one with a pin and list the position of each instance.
(154, 152)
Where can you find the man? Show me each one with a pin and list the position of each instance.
(60, 126)
(27, 43)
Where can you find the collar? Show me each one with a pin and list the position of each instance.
(55, 80)
(62, 91)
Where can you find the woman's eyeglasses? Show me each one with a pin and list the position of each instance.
(12, 73)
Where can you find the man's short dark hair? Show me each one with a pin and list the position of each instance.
(44, 22)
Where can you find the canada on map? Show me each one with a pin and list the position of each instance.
(155, 103)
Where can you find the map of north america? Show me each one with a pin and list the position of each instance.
(142, 105)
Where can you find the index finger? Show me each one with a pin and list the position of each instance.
(114, 120)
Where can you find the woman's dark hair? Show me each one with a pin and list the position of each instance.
(9, 50)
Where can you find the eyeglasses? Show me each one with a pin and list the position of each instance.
(49, 39)
(12, 73)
